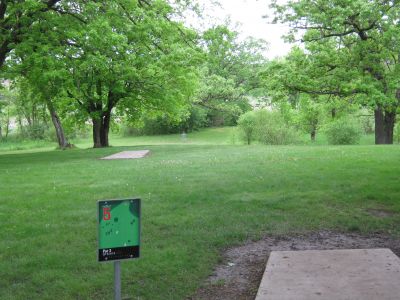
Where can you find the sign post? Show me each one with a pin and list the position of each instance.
(117, 280)
(118, 234)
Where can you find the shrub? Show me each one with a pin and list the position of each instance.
(267, 127)
(34, 131)
(74, 130)
(50, 134)
(227, 117)
(197, 119)
(151, 125)
(127, 130)
(247, 124)
(271, 129)
(343, 131)
(235, 136)
(164, 124)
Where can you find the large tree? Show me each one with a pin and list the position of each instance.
(230, 71)
(106, 56)
(352, 50)
(38, 59)
(132, 56)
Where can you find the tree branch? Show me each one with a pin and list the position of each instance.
(324, 36)
(337, 92)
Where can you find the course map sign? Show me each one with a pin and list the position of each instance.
(118, 229)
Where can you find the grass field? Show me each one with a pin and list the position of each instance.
(199, 196)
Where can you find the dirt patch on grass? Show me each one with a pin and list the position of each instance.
(240, 274)
(380, 212)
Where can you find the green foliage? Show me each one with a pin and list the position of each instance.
(230, 58)
(150, 124)
(397, 133)
(7, 110)
(271, 129)
(77, 131)
(351, 53)
(343, 131)
(310, 115)
(19, 21)
(25, 107)
(247, 126)
(127, 130)
(229, 75)
(197, 119)
(36, 131)
(161, 124)
(267, 127)
(367, 121)
(223, 100)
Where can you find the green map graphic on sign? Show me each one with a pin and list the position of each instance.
(119, 229)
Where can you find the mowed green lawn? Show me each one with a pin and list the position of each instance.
(198, 198)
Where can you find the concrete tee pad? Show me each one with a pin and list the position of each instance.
(331, 274)
(128, 155)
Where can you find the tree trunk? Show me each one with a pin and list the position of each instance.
(105, 128)
(313, 134)
(101, 128)
(333, 113)
(96, 132)
(101, 123)
(384, 125)
(61, 138)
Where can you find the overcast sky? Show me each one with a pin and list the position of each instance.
(250, 14)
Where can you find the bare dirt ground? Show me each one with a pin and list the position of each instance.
(240, 274)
